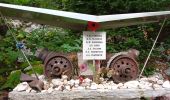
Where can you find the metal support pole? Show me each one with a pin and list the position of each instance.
(152, 48)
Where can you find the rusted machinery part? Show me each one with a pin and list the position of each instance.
(42, 54)
(37, 85)
(26, 78)
(57, 65)
(125, 68)
(33, 82)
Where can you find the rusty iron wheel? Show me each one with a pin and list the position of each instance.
(57, 65)
(125, 67)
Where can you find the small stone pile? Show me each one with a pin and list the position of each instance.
(63, 84)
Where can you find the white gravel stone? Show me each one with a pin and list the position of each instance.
(56, 82)
(120, 85)
(21, 87)
(87, 80)
(33, 91)
(65, 82)
(64, 77)
(28, 89)
(157, 86)
(154, 79)
(77, 82)
(101, 79)
(68, 87)
(16, 23)
(166, 84)
(46, 86)
(93, 86)
(52, 85)
(114, 87)
(50, 90)
(71, 82)
(143, 79)
(123, 87)
(44, 91)
(41, 77)
(59, 88)
(160, 82)
(132, 84)
(81, 88)
(109, 87)
(100, 86)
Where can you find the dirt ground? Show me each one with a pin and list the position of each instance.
(3, 95)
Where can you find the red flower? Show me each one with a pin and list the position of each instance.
(83, 67)
(93, 26)
(81, 79)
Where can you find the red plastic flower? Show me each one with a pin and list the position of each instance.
(83, 67)
(81, 79)
(93, 26)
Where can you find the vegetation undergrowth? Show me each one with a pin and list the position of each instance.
(140, 37)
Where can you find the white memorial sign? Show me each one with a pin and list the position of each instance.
(94, 45)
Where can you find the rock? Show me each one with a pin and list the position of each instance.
(60, 88)
(52, 85)
(93, 86)
(101, 79)
(32, 28)
(143, 79)
(41, 77)
(56, 82)
(111, 83)
(109, 87)
(29, 90)
(64, 77)
(105, 86)
(65, 82)
(100, 86)
(87, 80)
(16, 23)
(33, 91)
(22, 87)
(71, 82)
(123, 87)
(68, 87)
(114, 87)
(50, 90)
(166, 84)
(44, 91)
(87, 87)
(153, 79)
(132, 84)
(142, 86)
(120, 84)
(145, 83)
(158, 76)
(156, 86)
(46, 86)
(77, 82)
(81, 88)
(160, 82)
(121, 94)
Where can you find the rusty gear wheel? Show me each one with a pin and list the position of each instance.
(57, 65)
(125, 68)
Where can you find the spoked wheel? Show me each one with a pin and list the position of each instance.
(57, 65)
(125, 67)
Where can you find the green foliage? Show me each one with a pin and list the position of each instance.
(97, 7)
(60, 40)
(149, 71)
(37, 66)
(13, 80)
(55, 39)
